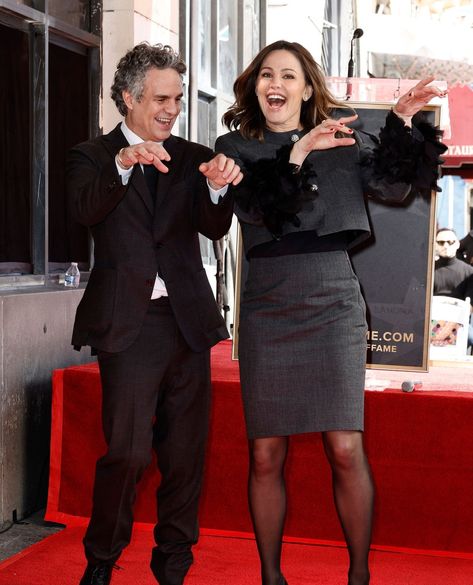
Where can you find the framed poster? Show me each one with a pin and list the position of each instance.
(394, 266)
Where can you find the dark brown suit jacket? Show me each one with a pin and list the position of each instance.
(133, 241)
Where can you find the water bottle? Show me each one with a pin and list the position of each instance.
(72, 276)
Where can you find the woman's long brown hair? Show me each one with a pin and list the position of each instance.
(245, 113)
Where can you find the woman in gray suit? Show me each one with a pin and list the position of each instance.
(302, 334)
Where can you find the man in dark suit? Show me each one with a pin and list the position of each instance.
(148, 309)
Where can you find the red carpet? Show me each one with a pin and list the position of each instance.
(420, 446)
(228, 561)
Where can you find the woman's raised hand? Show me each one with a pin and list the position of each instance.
(417, 97)
(322, 137)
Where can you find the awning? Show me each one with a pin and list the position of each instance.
(460, 143)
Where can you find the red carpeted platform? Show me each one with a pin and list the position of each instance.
(58, 560)
(420, 446)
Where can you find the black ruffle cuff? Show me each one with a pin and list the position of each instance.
(405, 155)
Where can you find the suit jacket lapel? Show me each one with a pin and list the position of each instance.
(166, 179)
(138, 182)
(116, 140)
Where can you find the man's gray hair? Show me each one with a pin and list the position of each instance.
(132, 69)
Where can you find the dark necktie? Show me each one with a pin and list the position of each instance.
(151, 177)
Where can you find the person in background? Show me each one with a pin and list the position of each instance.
(449, 271)
(302, 333)
(148, 309)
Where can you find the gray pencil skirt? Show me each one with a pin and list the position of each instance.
(302, 345)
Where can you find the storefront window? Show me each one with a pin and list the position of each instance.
(50, 101)
(205, 44)
(252, 20)
(15, 163)
(227, 45)
(68, 108)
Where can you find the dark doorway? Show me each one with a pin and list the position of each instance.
(15, 162)
(68, 125)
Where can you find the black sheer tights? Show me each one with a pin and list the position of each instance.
(353, 494)
(267, 499)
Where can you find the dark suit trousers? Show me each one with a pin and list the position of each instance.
(156, 394)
